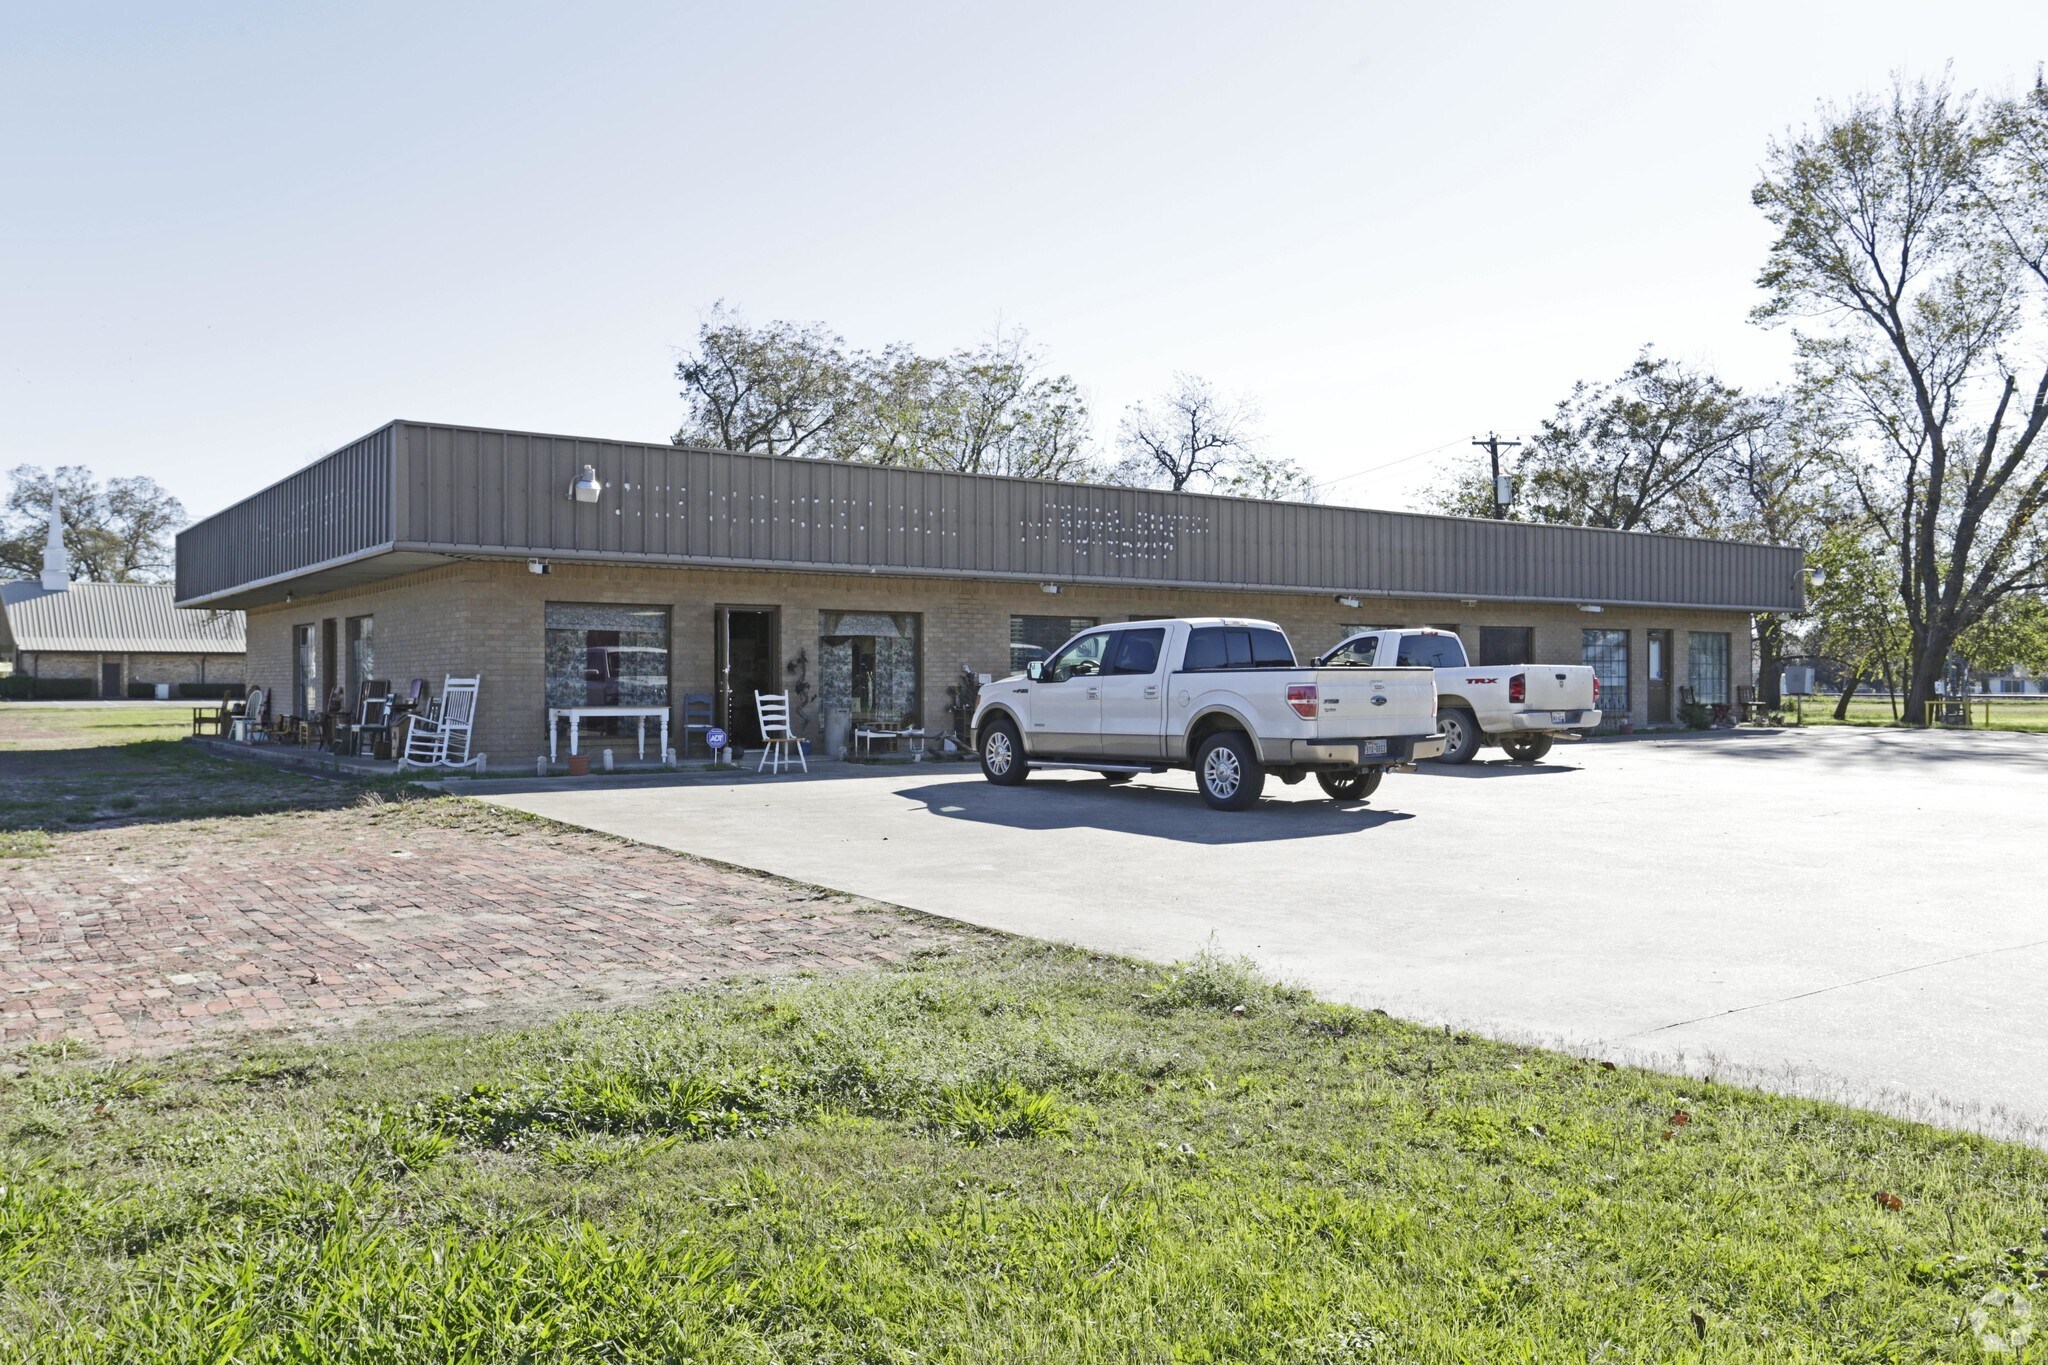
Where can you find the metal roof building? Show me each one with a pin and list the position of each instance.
(115, 618)
(563, 568)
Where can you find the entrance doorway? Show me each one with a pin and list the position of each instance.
(110, 678)
(1660, 677)
(748, 662)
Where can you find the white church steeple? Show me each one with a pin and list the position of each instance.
(56, 563)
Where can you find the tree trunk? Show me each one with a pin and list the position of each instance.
(1849, 686)
(1770, 647)
(1931, 646)
(1891, 689)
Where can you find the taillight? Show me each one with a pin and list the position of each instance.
(1596, 693)
(1302, 697)
(1518, 688)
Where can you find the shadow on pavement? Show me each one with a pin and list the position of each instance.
(1150, 812)
(1494, 767)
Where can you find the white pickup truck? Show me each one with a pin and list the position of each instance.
(1221, 696)
(1521, 707)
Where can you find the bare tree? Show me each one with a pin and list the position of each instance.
(1195, 439)
(119, 531)
(1909, 258)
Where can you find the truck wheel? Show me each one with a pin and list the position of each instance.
(1350, 786)
(1527, 748)
(1461, 734)
(1228, 771)
(1002, 754)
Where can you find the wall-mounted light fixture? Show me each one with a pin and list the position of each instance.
(1351, 602)
(1817, 576)
(1468, 601)
(587, 487)
(1052, 588)
(287, 597)
(539, 566)
(1593, 607)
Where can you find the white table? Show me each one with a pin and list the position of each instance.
(575, 715)
(865, 736)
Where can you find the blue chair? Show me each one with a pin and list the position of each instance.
(698, 710)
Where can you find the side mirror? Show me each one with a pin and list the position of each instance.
(1035, 670)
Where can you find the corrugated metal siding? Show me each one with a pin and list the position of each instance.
(333, 508)
(125, 618)
(467, 491)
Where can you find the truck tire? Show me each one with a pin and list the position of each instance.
(1527, 748)
(1461, 734)
(1228, 771)
(1350, 786)
(1002, 754)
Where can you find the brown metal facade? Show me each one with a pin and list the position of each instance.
(414, 493)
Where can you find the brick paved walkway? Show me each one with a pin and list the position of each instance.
(151, 937)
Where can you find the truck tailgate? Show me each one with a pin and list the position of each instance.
(1359, 703)
(1557, 689)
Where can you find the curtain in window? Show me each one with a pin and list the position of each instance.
(602, 655)
(305, 675)
(362, 657)
(868, 664)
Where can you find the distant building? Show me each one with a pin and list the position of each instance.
(67, 639)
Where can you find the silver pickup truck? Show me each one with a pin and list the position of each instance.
(1218, 695)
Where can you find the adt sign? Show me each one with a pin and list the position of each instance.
(716, 738)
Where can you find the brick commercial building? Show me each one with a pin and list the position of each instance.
(109, 640)
(570, 572)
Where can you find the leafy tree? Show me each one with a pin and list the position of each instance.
(992, 409)
(2013, 634)
(1633, 454)
(1857, 619)
(795, 389)
(779, 389)
(1909, 262)
(1194, 439)
(119, 531)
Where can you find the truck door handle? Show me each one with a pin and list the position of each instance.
(1152, 692)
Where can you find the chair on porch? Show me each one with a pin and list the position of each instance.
(442, 740)
(698, 711)
(252, 726)
(778, 741)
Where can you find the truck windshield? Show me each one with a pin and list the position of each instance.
(1431, 651)
(1213, 647)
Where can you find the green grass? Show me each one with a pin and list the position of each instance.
(2005, 713)
(73, 767)
(1009, 1153)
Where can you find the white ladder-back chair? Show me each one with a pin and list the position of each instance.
(779, 741)
(442, 740)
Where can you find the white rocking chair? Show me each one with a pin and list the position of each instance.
(779, 742)
(442, 740)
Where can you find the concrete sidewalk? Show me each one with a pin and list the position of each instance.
(1847, 912)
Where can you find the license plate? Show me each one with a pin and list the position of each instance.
(1559, 717)
(1372, 748)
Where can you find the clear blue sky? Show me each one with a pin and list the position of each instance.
(236, 237)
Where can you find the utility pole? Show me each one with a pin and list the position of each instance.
(1503, 488)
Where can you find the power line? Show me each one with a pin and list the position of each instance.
(1359, 474)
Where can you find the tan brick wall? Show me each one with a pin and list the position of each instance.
(487, 618)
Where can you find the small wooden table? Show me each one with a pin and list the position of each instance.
(575, 716)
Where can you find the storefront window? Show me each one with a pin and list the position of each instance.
(362, 656)
(1707, 667)
(305, 674)
(1032, 638)
(1606, 652)
(868, 664)
(601, 655)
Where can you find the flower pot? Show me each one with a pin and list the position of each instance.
(579, 765)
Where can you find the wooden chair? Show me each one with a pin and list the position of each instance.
(442, 739)
(778, 741)
(698, 713)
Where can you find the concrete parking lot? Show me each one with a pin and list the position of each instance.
(1849, 912)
